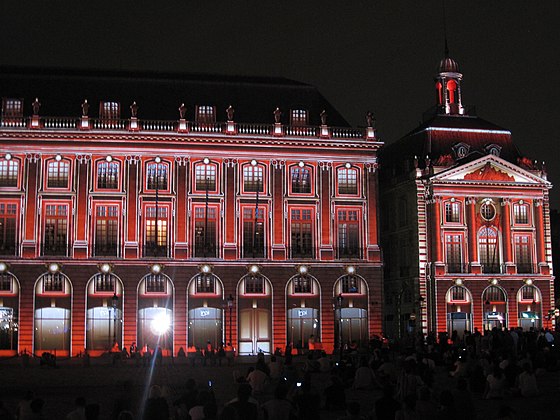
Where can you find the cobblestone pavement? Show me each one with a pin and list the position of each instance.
(101, 383)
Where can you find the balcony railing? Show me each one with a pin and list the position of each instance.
(253, 252)
(60, 122)
(349, 253)
(526, 268)
(8, 249)
(155, 251)
(492, 268)
(302, 252)
(457, 268)
(49, 249)
(105, 250)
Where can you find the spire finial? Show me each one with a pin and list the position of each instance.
(446, 49)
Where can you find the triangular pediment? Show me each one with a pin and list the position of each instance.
(489, 168)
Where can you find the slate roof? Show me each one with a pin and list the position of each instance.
(159, 95)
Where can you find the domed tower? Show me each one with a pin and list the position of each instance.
(448, 87)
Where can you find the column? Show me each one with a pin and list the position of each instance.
(278, 219)
(472, 235)
(506, 235)
(181, 219)
(82, 206)
(326, 245)
(372, 220)
(29, 242)
(130, 229)
(230, 211)
(539, 225)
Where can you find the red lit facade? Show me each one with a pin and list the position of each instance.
(477, 215)
(178, 232)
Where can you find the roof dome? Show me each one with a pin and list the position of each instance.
(448, 65)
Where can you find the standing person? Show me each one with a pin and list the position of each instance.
(278, 408)
(133, 349)
(156, 407)
(245, 409)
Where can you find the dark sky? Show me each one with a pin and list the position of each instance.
(363, 55)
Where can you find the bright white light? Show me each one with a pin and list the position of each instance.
(8, 156)
(301, 164)
(3, 267)
(105, 268)
(459, 282)
(254, 269)
(109, 158)
(350, 269)
(529, 282)
(494, 281)
(160, 324)
(348, 165)
(157, 159)
(156, 269)
(206, 161)
(205, 269)
(54, 267)
(302, 269)
(58, 158)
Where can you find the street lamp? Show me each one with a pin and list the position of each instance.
(114, 304)
(230, 308)
(338, 306)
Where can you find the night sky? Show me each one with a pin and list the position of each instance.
(362, 55)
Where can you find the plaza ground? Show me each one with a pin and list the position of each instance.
(101, 383)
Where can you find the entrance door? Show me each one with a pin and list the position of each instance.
(52, 330)
(354, 325)
(494, 320)
(255, 331)
(302, 323)
(458, 321)
(205, 325)
(529, 319)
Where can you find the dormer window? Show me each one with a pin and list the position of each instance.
(109, 110)
(205, 114)
(493, 149)
(298, 117)
(461, 150)
(12, 108)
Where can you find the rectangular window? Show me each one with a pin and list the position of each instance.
(205, 284)
(156, 231)
(348, 234)
(157, 176)
(302, 284)
(301, 228)
(58, 173)
(528, 293)
(205, 177)
(53, 282)
(454, 252)
(299, 117)
(9, 173)
(523, 254)
(109, 110)
(253, 178)
(254, 284)
(205, 241)
(350, 284)
(55, 239)
(452, 212)
(8, 223)
(253, 233)
(205, 114)
(108, 175)
(458, 294)
(521, 214)
(105, 283)
(488, 250)
(347, 181)
(155, 283)
(5, 282)
(301, 180)
(12, 108)
(106, 230)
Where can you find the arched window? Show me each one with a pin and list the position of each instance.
(9, 313)
(58, 173)
(494, 294)
(301, 179)
(9, 170)
(155, 312)
(347, 181)
(452, 91)
(108, 175)
(157, 176)
(205, 176)
(253, 178)
(488, 250)
(458, 294)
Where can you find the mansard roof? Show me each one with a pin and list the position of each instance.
(159, 95)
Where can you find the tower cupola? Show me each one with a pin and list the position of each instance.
(448, 87)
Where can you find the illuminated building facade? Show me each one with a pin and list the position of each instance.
(465, 225)
(255, 225)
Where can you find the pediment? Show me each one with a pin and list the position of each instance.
(490, 168)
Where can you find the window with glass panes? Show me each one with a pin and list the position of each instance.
(523, 253)
(58, 173)
(458, 294)
(253, 233)
(108, 175)
(55, 236)
(348, 233)
(488, 250)
(106, 230)
(302, 284)
(8, 223)
(452, 212)
(155, 283)
(253, 178)
(528, 293)
(104, 282)
(254, 284)
(299, 117)
(205, 232)
(156, 230)
(454, 252)
(205, 177)
(156, 176)
(8, 172)
(205, 283)
(301, 180)
(494, 294)
(301, 228)
(521, 214)
(350, 284)
(12, 108)
(205, 114)
(53, 282)
(347, 181)
(6, 280)
(109, 110)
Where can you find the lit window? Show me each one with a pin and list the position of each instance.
(9, 172)
(155, 283)
(521, 214)
(205, 114)
(253, 178)
(347, 181)
(301, 180)
(254, 284)
(109, 110)
(106, 230)
(58, 173)
(8, 223)
(299, 117)
(12, 108)
(156, 231)
(452, 212)
(205, 283)
(107, 175)
(156, 176)
(205, 177)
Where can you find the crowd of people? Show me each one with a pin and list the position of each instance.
(417, 378)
